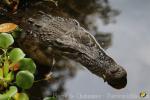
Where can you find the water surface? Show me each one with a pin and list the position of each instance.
(131, 49)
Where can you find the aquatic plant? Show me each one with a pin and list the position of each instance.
(16, 71)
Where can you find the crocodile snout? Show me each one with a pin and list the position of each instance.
(116, 77)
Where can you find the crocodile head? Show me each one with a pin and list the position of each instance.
(67, 38)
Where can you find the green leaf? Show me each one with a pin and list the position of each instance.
(1, 73)
(5, 40)
(24, 79)
(9, 77)
(4, 97)
(27, 64)
(11, 92)
(21, 96)
(16, 55)
(6, 68)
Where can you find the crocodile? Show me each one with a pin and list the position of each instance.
(47, 38)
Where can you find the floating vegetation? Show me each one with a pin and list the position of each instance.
(13, 73)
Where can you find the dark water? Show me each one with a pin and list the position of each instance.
(131, 49)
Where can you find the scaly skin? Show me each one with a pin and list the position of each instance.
(46, 37)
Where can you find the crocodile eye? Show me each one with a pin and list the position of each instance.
(30, 20)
